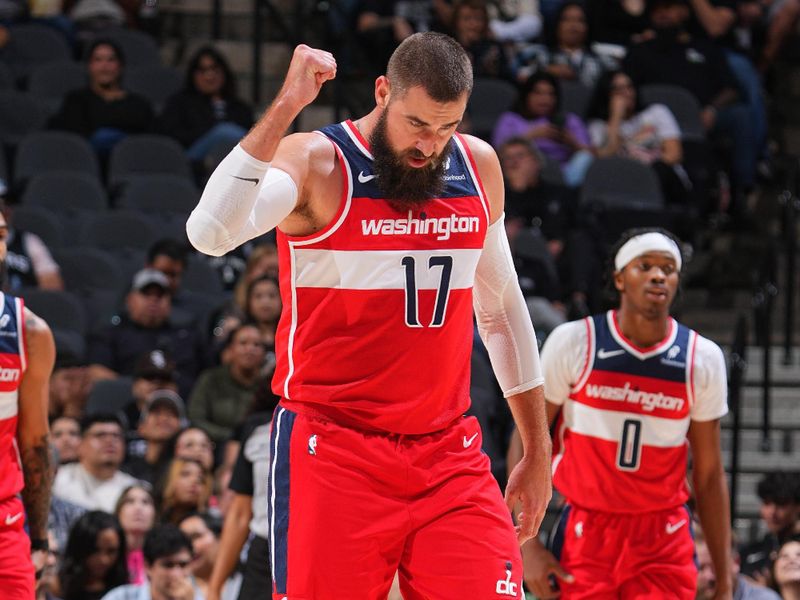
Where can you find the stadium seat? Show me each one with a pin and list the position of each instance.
(54, 151)
(683, 105)
(85, 269)
(40, 221)
(61, 310)
(69, 343)
(66, 192)
(551, 172)
(160, 193)
(154, 82)
(109, 396)
(138, 48)
(50, 82)
(490, 98)
(575, 97)
(101, 306)
(146, 155)
(31, 45)
(6, 77)
(20, 114)
(117, 231)
(201, 277)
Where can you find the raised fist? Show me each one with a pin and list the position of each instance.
(308, 70)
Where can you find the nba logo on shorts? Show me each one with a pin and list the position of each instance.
(505, 587)
(312, 445)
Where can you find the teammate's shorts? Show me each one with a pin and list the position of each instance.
(626, 557)
(350, 508)
(17, 579)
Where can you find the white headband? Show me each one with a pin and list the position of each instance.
(642, 244)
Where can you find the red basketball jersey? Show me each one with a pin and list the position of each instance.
(12, 366)
(377, 327)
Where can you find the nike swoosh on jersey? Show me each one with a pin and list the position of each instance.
(365, 178)
(468, 442)
(603, 354)
(252, 180)
(10, 520)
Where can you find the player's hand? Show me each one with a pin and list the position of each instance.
(530, 485)
(308, 70)
(540, 569)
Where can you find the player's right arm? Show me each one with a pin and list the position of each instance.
(263, 182)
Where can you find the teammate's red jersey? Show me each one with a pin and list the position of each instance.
(12, 366)
(621, 445)
(377, 323)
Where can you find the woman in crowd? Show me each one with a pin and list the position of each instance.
(622, 126)
(207, 113)
(136, 512)
(104, 112)
(787, 569)
(222, 394)
(561, 137)
(186, 488)
(263, 307)
(204, 530)
(470, 26)
(94, 559)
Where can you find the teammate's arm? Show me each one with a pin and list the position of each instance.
(244, 197)
(713, 504)
(33, 431)
(505, 327)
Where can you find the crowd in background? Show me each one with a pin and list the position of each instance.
(143, 483)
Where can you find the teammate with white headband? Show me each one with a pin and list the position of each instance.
(630, 386)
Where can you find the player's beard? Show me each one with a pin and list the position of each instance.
(405, 187)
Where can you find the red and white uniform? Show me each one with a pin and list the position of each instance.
(16, 569)
(373, 466)
(621, 449)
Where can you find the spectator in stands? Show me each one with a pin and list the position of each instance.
(247, 512)
(95, 481)
(65, 434)
(94, 559)
(567, 54)
(786, 571)
(206, 113)
(675, 56)
(170, 257)
(167, 556)
(145, 326)
(163, 416)
(780, 510)
(155, 370)
(222, 394)
(204, 530)
(622, 126)
(538, 118)
(62, 514)
(743, 588)
(136, 511)
(619, 22)
(29, 263)
(470, 26)
(509, 20)
(70, 385)
(104, 112)
(192, 443)
(263, 308)
(781, 17)
(186, 488)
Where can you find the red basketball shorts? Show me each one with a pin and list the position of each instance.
(348, 509)
(16, 569)
(626, 557)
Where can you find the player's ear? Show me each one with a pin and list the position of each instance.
(382, 91)
(618, 283)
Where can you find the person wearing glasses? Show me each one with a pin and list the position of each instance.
(95, 482)
(167, 556)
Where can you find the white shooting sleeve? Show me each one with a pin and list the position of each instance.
(244, 198)
(504, 322)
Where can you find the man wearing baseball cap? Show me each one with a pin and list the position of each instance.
(631, 387)
(145, 326)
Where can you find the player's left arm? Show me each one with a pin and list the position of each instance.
(505, 326)
(33, 430)
(710, 486)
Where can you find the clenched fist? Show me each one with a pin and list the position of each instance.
(308, 70)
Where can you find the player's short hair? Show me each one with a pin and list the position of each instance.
(780, 487)
(611, 293)
(434, 61)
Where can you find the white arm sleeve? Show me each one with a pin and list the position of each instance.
(243, 199)
(504, 322)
